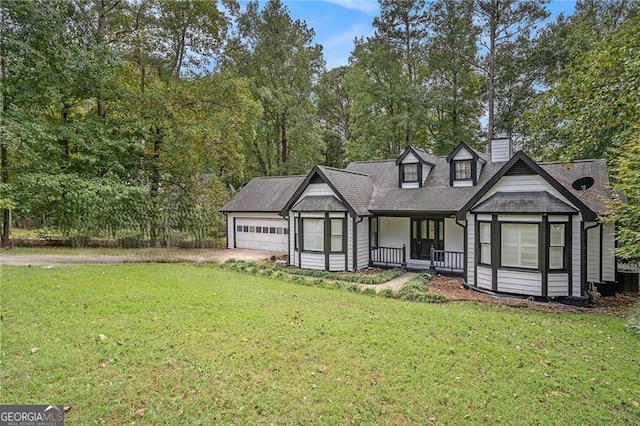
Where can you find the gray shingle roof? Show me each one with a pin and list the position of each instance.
(356, 188)
(322, 203)
(372, 187)
(596, 197)
(264, 194)
(436, 196)
(523, 203)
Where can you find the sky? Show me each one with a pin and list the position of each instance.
(338, 22)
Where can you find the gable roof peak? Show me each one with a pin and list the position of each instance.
(463, 145)
(422, 156)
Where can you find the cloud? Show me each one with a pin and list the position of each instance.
(338, 48)
(366, 6)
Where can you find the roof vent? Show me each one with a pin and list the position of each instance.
(583, 183)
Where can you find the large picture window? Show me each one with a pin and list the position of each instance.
(519, 245)
(463, 169)
(313, 234)
(484, 239)
(557, 246)
(337, 226)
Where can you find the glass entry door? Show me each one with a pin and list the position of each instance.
(426, 234)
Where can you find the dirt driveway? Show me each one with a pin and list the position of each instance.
(135, 256)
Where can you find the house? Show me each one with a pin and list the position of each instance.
(505, 222)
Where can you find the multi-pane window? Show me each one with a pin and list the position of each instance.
(337, 235)
(462, 169)
(313, 234)
(484, 238)
(557, 246)
(519, 245)
(410, 172)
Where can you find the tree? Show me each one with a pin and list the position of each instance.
(277, 54)
(508, 29)
(453, 84)
(334, 111)
(379, 110)
(403, 24)
(593, 111)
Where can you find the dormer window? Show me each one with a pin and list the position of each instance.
(410, 173)
(465, 165)
(463, 170)
(414, 166)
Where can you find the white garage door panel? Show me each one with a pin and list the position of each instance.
(247, 235)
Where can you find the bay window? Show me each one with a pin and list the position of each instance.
(312, 234)
(519, 245)
(557, 246)
(337, 237)
(484, 233)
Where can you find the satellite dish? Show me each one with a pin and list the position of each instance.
(583, 183)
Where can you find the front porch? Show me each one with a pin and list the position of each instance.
(417, 243)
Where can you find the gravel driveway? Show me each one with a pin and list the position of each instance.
(168, 257)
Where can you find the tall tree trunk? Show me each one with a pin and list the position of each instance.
(491, 89)
(154, 187)
(284, 142)
(100, 6)
(4, 162)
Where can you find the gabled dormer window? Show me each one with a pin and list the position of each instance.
(414, 166)
(410, 173)
(465, 166)
(462, 169)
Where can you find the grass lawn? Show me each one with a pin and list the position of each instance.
(170, 344)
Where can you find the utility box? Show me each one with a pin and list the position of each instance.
(629, 281)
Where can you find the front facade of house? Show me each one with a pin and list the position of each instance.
(506, 223)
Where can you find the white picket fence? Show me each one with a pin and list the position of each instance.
(629, 266)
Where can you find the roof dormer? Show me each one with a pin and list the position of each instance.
(464, 166)
(413, 167)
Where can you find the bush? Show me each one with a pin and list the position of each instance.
(387, 292)
(369, 292)
(415, 290)
(632, 323)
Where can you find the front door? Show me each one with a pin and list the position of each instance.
(426, 234)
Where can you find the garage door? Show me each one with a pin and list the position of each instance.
(262, 234)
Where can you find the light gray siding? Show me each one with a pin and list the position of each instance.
(575, 252)
(312, 261)
(523, 183)
(336, 262)
(350, 265)
(484, 277)
(317, 189)
(557, 285)
(608, 252)
(230, 234)
(363, 243)
(593, 252)
(293, 256)
(518, 282)
(453, 236)
(471, 248)
(393, 232)
(500, 150)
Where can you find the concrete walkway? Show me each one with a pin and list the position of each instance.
(394, 284)
(135, 256)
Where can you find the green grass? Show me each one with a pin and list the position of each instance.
(105, 251)
(202, 345)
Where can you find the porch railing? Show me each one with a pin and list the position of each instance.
(452, 261)
(388, 256)
(629, 266)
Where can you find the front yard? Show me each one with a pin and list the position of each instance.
(193, 344)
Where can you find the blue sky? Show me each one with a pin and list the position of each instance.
(337, 22)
